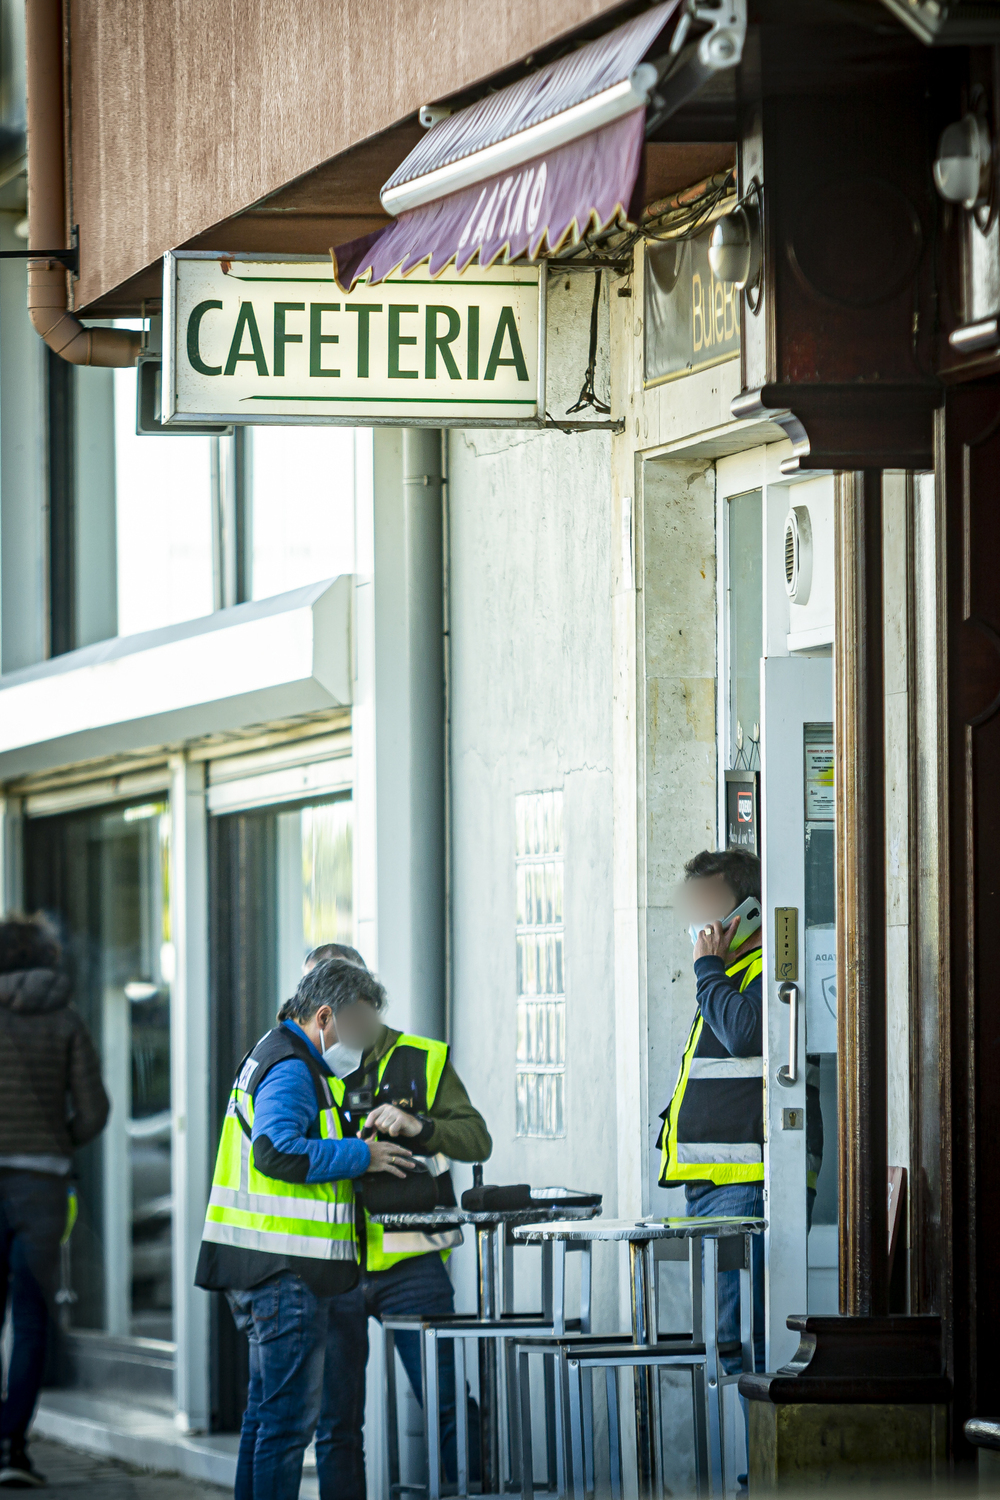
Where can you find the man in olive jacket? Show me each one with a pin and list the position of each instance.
(404, 1087)
(52, 1101)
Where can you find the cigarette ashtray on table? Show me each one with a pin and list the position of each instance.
(709, 1244)
(495, 1327)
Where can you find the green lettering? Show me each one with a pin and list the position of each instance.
(396, 309)
(364, 311)
(281, 338)
(435, 341)
(246, 320)
(472, 335)
(193, 334)
(317, 338)
(506, 325)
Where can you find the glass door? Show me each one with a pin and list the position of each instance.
(800, 996)
(280, 884)
(103, 876)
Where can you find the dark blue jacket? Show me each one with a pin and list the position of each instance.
(736, 1019)
(286, 1139)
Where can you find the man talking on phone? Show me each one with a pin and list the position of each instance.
(712, 1138)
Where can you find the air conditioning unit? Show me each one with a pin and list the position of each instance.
(808, 564)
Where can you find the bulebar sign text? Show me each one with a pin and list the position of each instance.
(267, 340)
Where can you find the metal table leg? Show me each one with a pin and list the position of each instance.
(710, 1255)
(432, 1414)
(577, 1438)
(614, 1432)
(489, 1391)
(586, 1269)
(746, 1304)
(643, 1333)
(524, 1424)
(461, 1418)
(391, 1411)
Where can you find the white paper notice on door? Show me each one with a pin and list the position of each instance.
(821, 989)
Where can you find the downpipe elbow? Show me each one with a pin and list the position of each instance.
(65, 335)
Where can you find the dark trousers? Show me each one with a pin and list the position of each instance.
(285, 1323)
(736, 1200)
(417, 1285)
(32, 1220)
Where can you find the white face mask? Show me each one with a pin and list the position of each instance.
(341, 1060)
(697, 928)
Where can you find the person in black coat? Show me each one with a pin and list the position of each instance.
(52, 1101)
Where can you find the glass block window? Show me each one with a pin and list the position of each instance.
(541, 986)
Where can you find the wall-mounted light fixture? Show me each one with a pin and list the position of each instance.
(734, 249)
(963, 167)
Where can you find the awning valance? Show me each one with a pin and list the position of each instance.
(529, 169)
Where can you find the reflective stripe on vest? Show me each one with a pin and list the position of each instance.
(385, 1248)
(249, 1211)
(734, 1094)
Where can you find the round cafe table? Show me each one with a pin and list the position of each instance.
(704, 1233)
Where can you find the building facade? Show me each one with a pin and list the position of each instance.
(470, 697)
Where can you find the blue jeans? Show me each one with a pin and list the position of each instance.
(417, 1285)
(32, 1220)
(737, 1200)
(286, 1325)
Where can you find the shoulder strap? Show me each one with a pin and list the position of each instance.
(275, 1046)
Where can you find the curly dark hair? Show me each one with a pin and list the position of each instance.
(27, 943)
(738, 867)
(335, 982)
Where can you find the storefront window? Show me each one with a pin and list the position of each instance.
(302, 481)
(163, 491)
(103, 875)
(281, 884)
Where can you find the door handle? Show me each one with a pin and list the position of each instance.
(788, 994)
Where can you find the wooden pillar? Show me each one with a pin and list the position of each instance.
(968, 469)
(860, 856)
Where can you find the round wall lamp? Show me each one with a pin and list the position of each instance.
(734, 249)
(963, 167)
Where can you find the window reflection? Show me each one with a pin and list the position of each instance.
(164, 521)
(104, 876)
(303, 506)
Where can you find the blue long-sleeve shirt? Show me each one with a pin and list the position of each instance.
(285, 1136)
(736, 1019)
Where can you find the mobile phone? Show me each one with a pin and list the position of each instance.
(749, 913)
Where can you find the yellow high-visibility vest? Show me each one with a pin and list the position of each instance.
(263, 1215)
(387, 1247)
(714, 1132)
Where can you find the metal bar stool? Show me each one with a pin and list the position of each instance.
(494, 1332)
(697, 1350)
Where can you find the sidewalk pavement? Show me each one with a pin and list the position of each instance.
(84, 1476)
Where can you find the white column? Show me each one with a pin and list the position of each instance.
(11, 854)
(189, 1072)
(398, 726)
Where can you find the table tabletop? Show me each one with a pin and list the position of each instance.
(445, 1217)
(640, 1231)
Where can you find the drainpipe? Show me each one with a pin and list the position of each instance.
(47, 290)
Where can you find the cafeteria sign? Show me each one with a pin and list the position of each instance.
(258, 339)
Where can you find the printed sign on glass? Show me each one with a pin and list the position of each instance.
(266, 340)
(691, 320)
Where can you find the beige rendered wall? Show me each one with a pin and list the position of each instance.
(184, 114)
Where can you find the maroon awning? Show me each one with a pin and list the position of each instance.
(525, 171)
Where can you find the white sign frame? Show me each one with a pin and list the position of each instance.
(172, 417)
